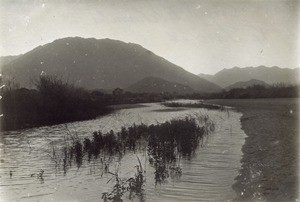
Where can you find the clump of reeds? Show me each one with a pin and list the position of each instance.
(164, 140)
(118, 190)
(137, 182)
(193, 105)
(133, 185)
(166, 144)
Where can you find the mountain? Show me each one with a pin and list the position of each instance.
(207, 77)
(158, 85)
(99, 64)
(7, 59)
(270, 75)
(245, 84)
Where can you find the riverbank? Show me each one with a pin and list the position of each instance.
(270, 153)
(127, 106)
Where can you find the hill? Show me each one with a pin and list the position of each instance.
(7, 59)
(270, 75)
(245, 84)
(158, 85)
(99, 64)
(207, 77)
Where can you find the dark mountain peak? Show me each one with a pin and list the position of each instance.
(75, 41)
(92, 40)
(228, 69)
(99, 64)
(245, 84)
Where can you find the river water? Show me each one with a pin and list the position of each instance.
(207, 176)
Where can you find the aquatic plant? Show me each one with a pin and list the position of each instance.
(40, 176)
(118, 190)
(133, 185)
(165, 143)
(137, 182)
(193, 105)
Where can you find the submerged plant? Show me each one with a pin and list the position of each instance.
(133, 185)
(165, 143)
(137, 182)
(118, 190)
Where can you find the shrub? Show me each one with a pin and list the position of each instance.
(53, 102)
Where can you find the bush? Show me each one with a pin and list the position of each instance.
(53, 102)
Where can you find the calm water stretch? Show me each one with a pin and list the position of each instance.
(28, 171)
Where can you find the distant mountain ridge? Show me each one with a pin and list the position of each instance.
(270, 75)
(208, 77)
(99, 64)
(7, 59)
(245, 84)
(158, 85)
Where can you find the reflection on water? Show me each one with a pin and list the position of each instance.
(29, 155)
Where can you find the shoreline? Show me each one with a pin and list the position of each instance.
(269, 168)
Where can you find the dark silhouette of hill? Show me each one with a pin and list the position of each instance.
(270, 75)
(7, 59)
(99, 64)
(245, 84)
(158, 85)
(208, 77)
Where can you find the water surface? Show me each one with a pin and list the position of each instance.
(207, 176)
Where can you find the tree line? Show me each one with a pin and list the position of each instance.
(258, 91)
(54, 101)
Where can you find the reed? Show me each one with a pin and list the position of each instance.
(165, 143)
(192, 105)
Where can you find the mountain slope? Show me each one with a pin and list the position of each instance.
(95, 64)
(245, 84)
(269, 75)
(207, 77)
(158, 85)
(7, 59)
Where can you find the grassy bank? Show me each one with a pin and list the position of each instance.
(270, 153)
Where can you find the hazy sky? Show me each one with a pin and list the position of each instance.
(202, 36)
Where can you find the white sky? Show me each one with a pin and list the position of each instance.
(202, 36)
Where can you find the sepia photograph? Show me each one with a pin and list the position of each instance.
(149, 100)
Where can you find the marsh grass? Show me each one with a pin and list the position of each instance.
(192, 105)
(165, 143)
(134, 185)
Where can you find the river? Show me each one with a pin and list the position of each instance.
(207, 176)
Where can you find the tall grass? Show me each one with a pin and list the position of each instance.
(193, 105)
(175, 136)
(165, 144)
